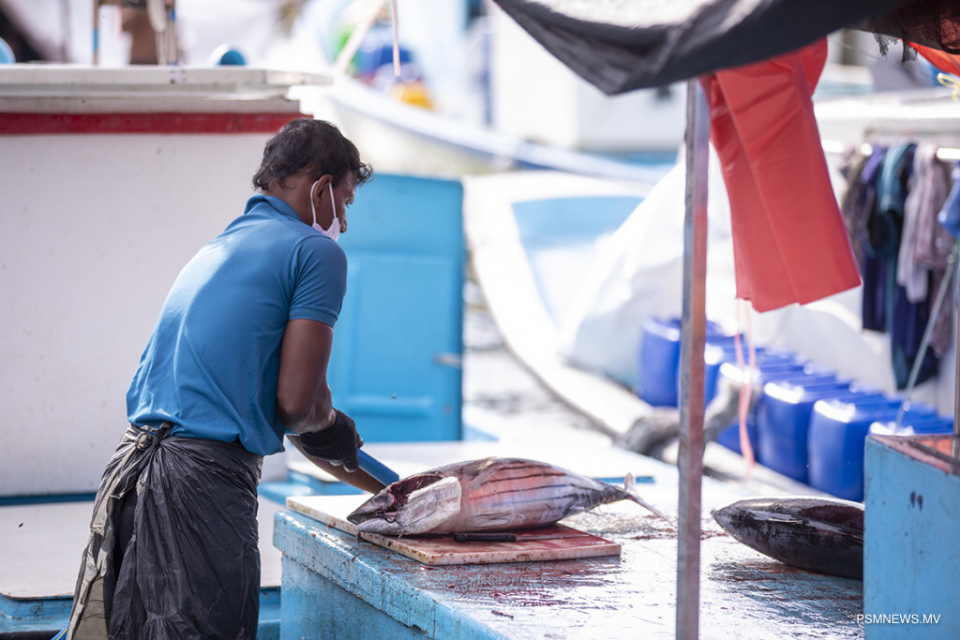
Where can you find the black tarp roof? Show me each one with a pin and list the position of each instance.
(621, 45)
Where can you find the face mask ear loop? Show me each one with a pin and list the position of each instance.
(333, 206)
(313, 208)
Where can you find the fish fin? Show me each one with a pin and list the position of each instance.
(479, 472)
(630, 486)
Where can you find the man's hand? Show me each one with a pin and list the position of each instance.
(337, 444)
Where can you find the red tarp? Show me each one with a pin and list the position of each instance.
(790, 244)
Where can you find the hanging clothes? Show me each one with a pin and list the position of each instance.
(872, 266)
(789, 240)
(926, 244)
(905, 320)
(949, 219)
(906, 332)
(886, 221)
(851, 203)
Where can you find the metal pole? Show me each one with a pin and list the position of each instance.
(96, 32)
(693, 331)
(927, 333)
(65, 30)
(956, 381)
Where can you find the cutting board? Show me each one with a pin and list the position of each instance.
(443, 550)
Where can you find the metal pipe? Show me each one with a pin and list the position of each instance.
(956, 383)
(65, 30)
(927, 333)
(96, 32)
(693, 332)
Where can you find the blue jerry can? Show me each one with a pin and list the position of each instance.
(771, 365)
(659, 362)
(838, 431)
(783, 420)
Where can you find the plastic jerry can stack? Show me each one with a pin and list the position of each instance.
(838, 432)
(658, 360)
(772, 366)
(920, 426)
(718, 350)
(783, 419)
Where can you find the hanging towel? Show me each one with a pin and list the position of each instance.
(933, 241)
(944, 326)
(790, 242)
(926, 244)
(886, 221)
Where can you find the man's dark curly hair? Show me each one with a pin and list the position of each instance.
(312, 145)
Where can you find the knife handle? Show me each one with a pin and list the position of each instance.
(485, 537)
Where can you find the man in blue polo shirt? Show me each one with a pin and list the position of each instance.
(238, 356)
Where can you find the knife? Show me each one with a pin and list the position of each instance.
(512, 537)
(372, 476)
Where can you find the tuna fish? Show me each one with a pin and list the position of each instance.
(816, 534)
(492, 494)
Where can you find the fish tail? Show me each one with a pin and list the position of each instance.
(630, 486)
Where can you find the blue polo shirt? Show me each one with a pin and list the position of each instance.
(212, 363)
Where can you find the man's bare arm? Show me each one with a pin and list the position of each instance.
(303, 395)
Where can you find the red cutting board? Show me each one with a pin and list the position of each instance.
(443, 550)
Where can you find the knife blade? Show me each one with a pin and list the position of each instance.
(512, 537)
(377, 469)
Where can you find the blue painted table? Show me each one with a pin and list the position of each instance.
(911, 556)
(337, 587)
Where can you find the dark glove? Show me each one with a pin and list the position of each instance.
(337, 444)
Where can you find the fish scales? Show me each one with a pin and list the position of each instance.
(523, 504)
(483, 495)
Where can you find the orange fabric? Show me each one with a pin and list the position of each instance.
(789, 241)
(946, 62)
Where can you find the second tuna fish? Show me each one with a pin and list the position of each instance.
(817, 534)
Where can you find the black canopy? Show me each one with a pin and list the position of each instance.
(621, 45)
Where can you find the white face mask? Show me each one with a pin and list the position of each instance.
(334, 231)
